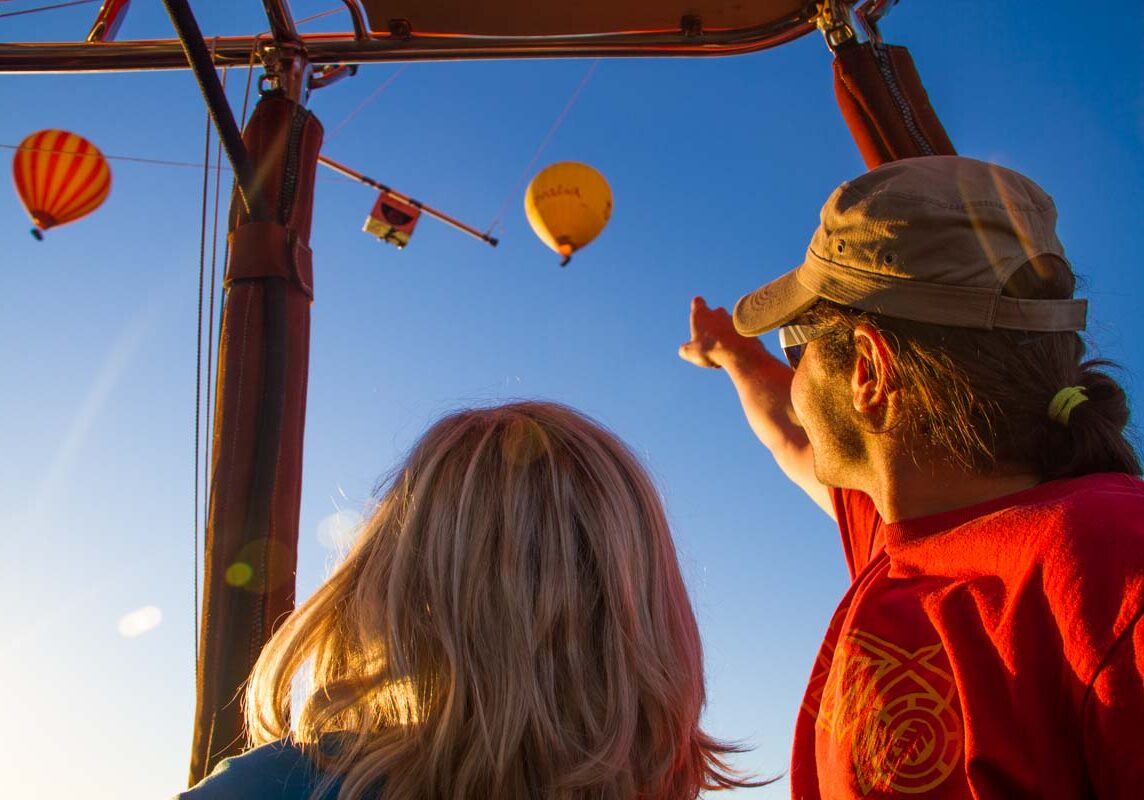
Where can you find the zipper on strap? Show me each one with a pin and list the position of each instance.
(882, 55)
(290, 165)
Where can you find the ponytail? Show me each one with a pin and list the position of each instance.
(1091, 438)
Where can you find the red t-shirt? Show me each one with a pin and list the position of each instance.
(995, 651)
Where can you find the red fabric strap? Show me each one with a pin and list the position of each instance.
(885, 105)
(250, 556)
(269, 250)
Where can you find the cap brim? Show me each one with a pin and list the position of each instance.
(772, 305)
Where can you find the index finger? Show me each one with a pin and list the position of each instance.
(698, 304)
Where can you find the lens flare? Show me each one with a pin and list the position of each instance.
(239, 573)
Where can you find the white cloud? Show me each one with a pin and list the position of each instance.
(140, 621)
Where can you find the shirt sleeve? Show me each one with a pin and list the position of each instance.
(860, 526)
(277, 770)
(230, 777)
(1114, 709)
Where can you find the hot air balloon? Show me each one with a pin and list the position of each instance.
(568, 204)
(60, 177)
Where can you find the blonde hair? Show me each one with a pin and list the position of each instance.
(511, 623)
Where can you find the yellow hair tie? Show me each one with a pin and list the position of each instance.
(1064, 401)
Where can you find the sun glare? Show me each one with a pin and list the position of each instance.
(338, 531)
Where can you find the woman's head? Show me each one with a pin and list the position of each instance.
(511, 622)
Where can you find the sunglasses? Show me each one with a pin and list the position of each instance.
(794, 338)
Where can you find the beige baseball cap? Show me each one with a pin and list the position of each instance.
(930, 239)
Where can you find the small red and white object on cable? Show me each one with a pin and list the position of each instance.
(392, 219)
(394, 215)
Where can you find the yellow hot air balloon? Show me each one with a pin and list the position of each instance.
(568, 204)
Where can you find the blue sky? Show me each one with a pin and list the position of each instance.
(718, 168)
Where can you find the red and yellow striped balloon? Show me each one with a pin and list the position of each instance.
(60, 177)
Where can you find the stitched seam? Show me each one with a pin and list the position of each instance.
(899, 195)
(1104, 662)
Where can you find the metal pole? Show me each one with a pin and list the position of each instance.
(201, 62)
(281, 23)
(361, 29)
(343, 48)
(456, 223)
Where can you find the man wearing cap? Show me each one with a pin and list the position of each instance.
(939, 406)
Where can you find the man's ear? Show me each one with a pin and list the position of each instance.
(873, 382)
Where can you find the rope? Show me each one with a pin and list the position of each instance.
(199, 376)
(109, 157)
(54, 6)
(373, 96)
(249, 74)
(198, 165)
(299, 23)
(213, 331)
(543, 144)
(46, 8)
(320, 15)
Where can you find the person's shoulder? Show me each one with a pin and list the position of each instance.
(279, 770)
(1086, 522)
(1088, 548)
(1106, 506)
(1116, 485)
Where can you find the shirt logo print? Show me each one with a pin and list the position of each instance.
(895, 708)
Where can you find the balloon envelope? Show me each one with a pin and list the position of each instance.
(568, 204)
(60, 177)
